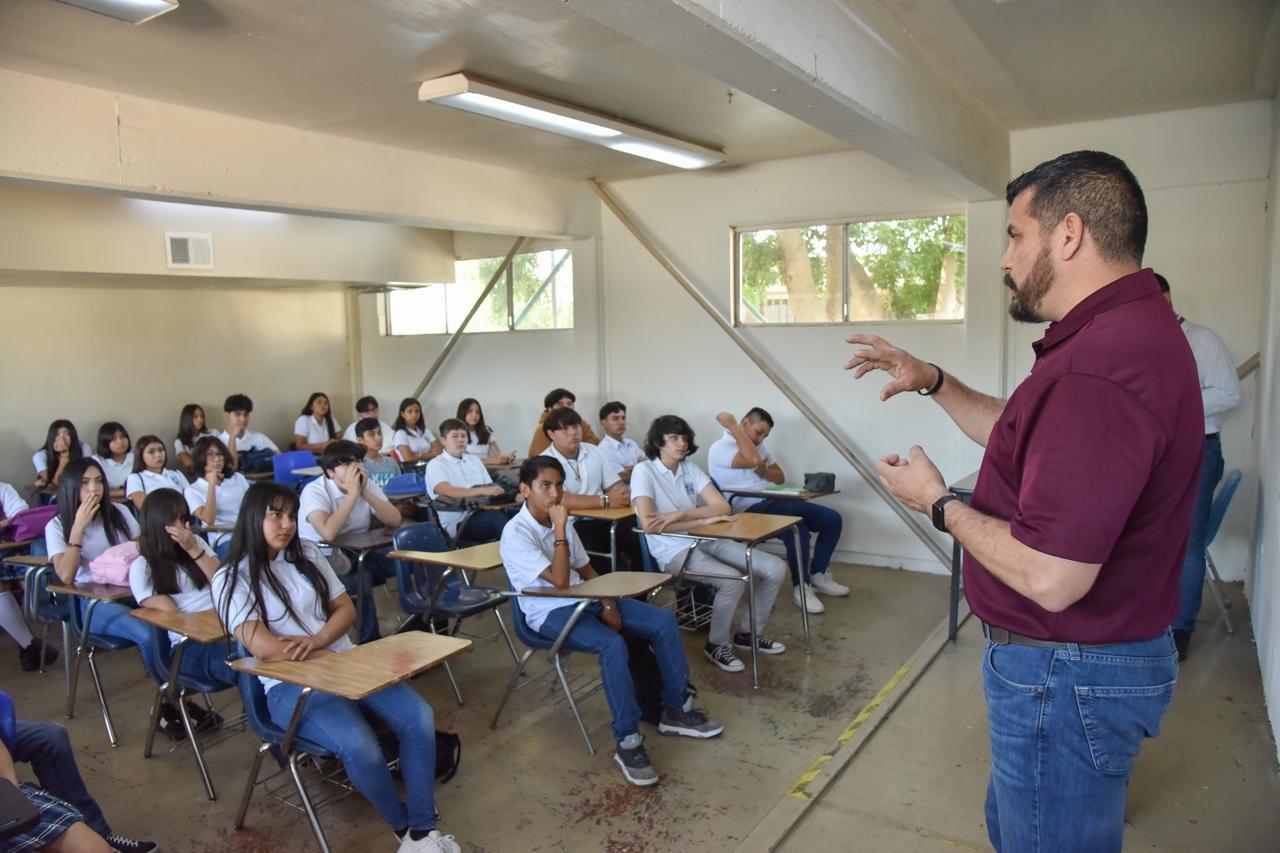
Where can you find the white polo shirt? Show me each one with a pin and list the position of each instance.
(94, 543)
(349, 434)
(249, 441)
(40, 458)
(188, 599)
(323, 494)
(273, 616)
(475, 448)
(720, 465)
(670, 492)
(624, 453)
(592, 473)
(417, 441)
(11, 503)
(229, 495)
(527, 549)
(315, 432)
(117, 472)
(148, 481)
(180, 448)
(465, 473)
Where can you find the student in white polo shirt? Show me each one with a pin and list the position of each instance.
(623, 452)
(667, 489)
(740, 460)
(367, 407)
(61, 445)
(315, 427)
(345, 501)
(484, 441)
(250, 451)
(150, 473)
(460, 475)
(412, 441)
(115, 454)
(591, 481)
(216, 494)
(540, 549)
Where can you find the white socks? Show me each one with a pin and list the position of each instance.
(12, 620)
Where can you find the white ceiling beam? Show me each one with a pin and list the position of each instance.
(845, 72)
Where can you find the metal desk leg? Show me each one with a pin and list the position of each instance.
(956, 552)
(613, 545)
(804, 587)
(81, 650)
(751, 615)
(360, 579)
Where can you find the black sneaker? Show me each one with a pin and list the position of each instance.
(634, 762)
(691, 723)
(1182, 641)
(764, 645)
(30, 656)
(723, 657)
(170, 723)
(202, 719)
(121, 844)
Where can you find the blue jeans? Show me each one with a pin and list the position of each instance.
(47, 748)
(1193, 566)
(655, 624)
(484, 525)
(338, 725)
(111, 619)
(1066, 725)
(207, 662)
(377, 569)
(824, 521)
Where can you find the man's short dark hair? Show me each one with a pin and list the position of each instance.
(238, 403)
(365, 404)
(1164, 283)
(555, 395)
(758, 414)
(449, 425)
(667, 425)
(561, 419)
(535, 465)
(366, 425)
(610, 407)
(340, 452)
(1100, 189)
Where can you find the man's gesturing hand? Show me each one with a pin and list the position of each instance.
(909, 373)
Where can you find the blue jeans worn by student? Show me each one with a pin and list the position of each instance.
(208, 662)
(47, 748)
(654, 624)
(338, 725)
(1066, 725)
(113, 620)
(824, 521)
(483, 526)
(1193, 567)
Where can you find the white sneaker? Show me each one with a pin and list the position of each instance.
(433, 843)
(827, 585)
(810, 600)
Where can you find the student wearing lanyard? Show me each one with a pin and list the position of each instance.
(1079, 521)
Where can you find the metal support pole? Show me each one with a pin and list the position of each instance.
(456, 336)
(867, 473)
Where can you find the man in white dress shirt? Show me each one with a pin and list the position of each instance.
(624, 452)
(1220, 393)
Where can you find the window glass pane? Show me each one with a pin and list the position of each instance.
(418, 311)
(470, 279)
(542, 290)
(907, 269)
(788, 276)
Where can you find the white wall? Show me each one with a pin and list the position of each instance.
(1205, 175)
(666, 356)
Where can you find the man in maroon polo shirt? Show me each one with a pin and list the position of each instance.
(1079, 520)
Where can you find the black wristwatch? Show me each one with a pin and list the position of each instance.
(938, 512)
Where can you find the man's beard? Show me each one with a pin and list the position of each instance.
(1024, 307)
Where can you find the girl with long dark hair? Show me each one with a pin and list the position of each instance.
(149, 471)
(61, 446)
(412, 441)
(481, 441)
(191, 428)
(315, 427)
(115, 454)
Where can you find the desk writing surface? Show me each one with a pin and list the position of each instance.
(610, 514)
(100, 591)
(746, 527)
(364, 540)
(477, 558)
(964, 488)
(28, 560)
(801, 495)
(13, 546)
(612, 585)
(356, 673)
(307, 471)
(203, 627)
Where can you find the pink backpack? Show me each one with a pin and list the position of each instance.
(29, 523)
(112, 565)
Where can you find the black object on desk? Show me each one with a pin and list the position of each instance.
(963, 489)
(16, 812)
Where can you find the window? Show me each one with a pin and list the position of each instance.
(535, 293)
(851, 272)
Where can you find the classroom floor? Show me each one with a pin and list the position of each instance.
(917, 784)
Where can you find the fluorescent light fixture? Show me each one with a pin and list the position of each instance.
(129, 11)
(464, 92)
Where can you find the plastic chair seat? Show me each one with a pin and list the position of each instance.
(254, 698)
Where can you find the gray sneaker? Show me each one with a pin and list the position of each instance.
(691, 723)
(634, 762)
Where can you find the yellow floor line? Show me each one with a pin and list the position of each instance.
(800, 790)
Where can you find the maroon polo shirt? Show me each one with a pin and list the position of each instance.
(1096, 458)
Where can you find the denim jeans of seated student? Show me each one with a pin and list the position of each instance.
(113, 620)
(338, 725)
(483, 526)
(590, 634)
(208, 662)
(1065, 726)
(47, 748)
(1193, 566)
(822, 520)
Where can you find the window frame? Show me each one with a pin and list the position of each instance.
(843, 222)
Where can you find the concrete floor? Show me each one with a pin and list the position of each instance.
(1210, 782)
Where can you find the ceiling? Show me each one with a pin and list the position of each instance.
(1041, 62)
(352, 69)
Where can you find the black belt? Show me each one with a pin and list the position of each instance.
(1210, 435)
(1005, 637)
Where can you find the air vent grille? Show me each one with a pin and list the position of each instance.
(189, 251)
